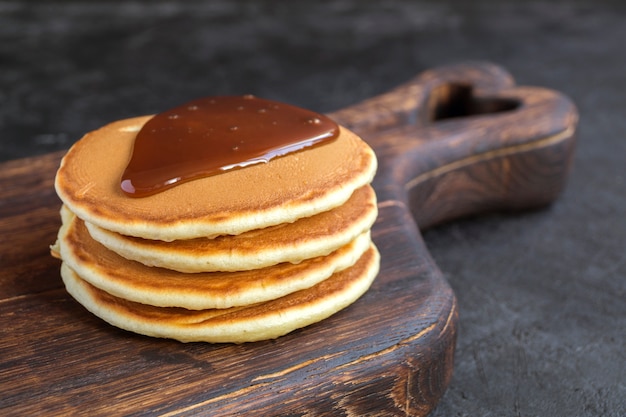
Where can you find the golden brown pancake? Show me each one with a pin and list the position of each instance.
(305, 238)
(248, 254)
(238, 324)
(166, 288)
(294, 186)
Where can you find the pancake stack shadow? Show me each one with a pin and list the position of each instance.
(288, 246)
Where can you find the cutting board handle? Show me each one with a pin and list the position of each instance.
(464, 139)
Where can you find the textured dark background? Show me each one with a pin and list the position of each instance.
(541, 294)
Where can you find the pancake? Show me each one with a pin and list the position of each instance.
(166, 288)
(266, 246)
(296, 185)
(238, 324)
(306, 238)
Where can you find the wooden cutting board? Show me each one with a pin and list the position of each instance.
(454, 141)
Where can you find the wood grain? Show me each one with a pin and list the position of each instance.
(454, 141)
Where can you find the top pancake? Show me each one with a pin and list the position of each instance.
(283, 190)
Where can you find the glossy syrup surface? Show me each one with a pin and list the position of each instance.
(212, 135)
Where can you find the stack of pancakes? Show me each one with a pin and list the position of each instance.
(246, 255)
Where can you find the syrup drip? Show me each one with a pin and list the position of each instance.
(213, 135)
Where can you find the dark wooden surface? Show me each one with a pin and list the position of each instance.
(443, 154)
(59, 359)
(540, 294)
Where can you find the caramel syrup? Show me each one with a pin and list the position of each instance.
(212, 135)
